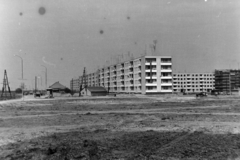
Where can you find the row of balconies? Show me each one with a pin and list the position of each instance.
(155, 63)
(210, 87)
(125, 78)
(207, 80)
(193, 85)
(192, 76)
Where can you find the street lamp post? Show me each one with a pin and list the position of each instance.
(22, 63)
(22, 73)
(35, 85)
(45, 76)
(38, 83)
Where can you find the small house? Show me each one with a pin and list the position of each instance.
(94, 91)
(57, 87)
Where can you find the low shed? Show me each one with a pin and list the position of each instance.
(57, 87)
(94, 91)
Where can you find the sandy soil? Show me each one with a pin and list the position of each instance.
(123, 127)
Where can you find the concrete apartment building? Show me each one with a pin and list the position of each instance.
(145, 75)
(74, 84)
(193, 82)
(227, 81)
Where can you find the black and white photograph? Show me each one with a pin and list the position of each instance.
(120, 79)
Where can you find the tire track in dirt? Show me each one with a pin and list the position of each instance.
(132, 111)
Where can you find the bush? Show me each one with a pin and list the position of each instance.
(18, 90)
(67, 90)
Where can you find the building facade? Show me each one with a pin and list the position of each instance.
(193, 82)
(227, 81)
(75, 84)
(145, 75)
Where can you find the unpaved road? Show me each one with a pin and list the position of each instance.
(127, 127)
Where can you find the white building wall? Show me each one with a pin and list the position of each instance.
(193, 82)
(159, 74)
(141, 75)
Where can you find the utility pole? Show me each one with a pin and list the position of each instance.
(22, 63)
(5, 86)
(83, 83)
(35, 85)
(45, 76)
(72, 86)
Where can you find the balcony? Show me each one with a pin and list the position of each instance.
(151, 90)
(137, 84)
(130, 78)
(113, 76)
(137, 77)
(153, 63)
(151, 84)
(166, 70)
(113, 71)
(153, 77)
(166, 77)
(166, 84)
(137, 70)
(120, 68)
(131, 84)
(166, 62)
(137, 63)
(153, 70)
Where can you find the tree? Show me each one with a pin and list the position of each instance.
(18, 90)
(67, 90)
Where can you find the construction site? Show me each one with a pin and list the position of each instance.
(227, 81)
(122, 127)
(120, 80)
(135, 109)
(92, 123)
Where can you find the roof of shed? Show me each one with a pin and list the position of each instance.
(96, 89)
(57, 85)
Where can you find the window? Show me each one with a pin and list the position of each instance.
(151, 87)
(166, 60)
(166, 81)
(150, 60)
(166, 88)
(166, 74)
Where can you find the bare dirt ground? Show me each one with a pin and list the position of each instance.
(125, 127)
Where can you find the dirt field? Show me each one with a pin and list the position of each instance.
(125, 127)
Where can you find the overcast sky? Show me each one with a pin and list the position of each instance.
(67, 35)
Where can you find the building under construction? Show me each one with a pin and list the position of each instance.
(227, 81)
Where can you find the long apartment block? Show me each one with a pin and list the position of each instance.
(193, 82)
(145, 75)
